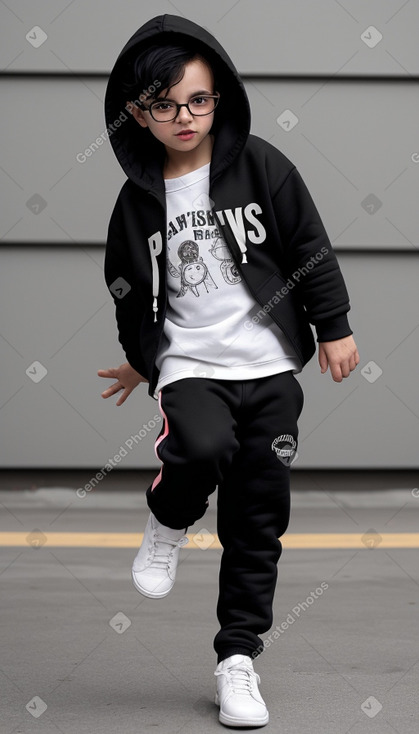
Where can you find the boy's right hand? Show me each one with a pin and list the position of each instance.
(127, 378)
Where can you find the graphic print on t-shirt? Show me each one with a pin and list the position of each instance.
(192, 270)
(228, 267)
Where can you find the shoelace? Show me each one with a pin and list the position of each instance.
(162, 560)
(240, 678)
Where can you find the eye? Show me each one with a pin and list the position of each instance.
(162, 106)
(199, 101)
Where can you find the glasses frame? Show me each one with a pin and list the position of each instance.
(215, 96)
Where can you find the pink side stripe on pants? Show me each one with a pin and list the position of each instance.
(158, 442)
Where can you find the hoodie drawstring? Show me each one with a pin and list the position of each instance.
(155, 243)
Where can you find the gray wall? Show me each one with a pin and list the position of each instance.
(355, 144)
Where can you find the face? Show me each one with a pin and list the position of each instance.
(198, 78)
(194, 273)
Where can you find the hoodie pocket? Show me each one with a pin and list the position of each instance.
(279, 298)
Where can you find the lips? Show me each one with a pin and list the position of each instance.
(186, 137)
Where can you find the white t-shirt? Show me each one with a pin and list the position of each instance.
(208, 329)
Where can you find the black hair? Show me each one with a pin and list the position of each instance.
(159, 67)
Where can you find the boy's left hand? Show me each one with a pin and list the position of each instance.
(340, 355)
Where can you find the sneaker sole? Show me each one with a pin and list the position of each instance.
(235, 721)
(149, 594)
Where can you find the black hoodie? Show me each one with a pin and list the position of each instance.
(291, 270)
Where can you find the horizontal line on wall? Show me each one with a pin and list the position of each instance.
(358, 249)
(268, 76)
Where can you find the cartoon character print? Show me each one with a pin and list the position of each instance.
(192, 270)
(228, 267)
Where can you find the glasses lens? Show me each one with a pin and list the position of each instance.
(166, 110)
(202, 105)
(163, 111)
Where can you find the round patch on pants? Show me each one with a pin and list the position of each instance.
(285, 448)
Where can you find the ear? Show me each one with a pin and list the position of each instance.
(137, 114)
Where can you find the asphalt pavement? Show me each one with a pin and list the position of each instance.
(82, 652)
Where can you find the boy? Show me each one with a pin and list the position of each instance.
(217, 261)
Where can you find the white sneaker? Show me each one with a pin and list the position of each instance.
(237, 693)
(154, 567)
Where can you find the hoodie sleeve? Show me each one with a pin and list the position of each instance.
(311, 261)
(118, 277)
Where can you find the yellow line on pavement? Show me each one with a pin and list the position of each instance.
(368, 540)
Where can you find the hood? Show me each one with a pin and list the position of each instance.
(138, 152)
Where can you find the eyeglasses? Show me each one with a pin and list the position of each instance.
(166, 110)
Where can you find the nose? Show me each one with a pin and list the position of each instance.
(183, 114)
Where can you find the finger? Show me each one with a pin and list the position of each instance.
(336, 371)
(107, 373)
(123, 397)
(112, 390)
(322, 360)
(345, 369)
(352, 363)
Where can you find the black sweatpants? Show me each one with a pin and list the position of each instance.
(241, 436)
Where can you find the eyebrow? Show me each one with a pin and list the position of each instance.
(194, 94)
